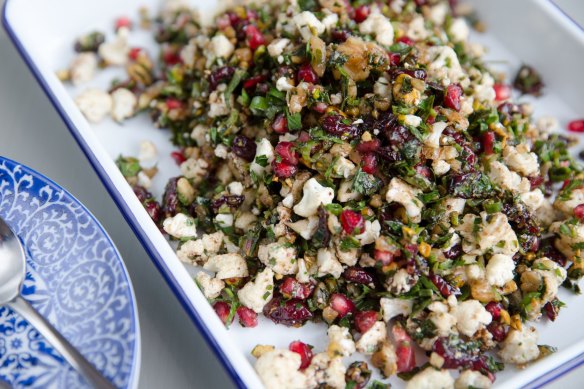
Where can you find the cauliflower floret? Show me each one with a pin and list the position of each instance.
(520, 346)
(194, 168)
(341, 342)
(308, 25)
(506, 179)
(438, 13)
(257, 293)
(284, 84)
(416, 29)
(264, 150)
(440, 167)
(83, 68)
(544, 273)
(380, 26)
(314, 195)
(487, 233)
(235, 188)
(324, 371)
(444, 65)
(277, 46)
(452, 204)
(400, 282)
(148, 153)
(94, 104)
(227, 266)
(211, 287)
(346, 193)
(382, 87)
(472, 379)
(116, 52)
(433, 138)
(371, 233)
(575, 198)
(369, 342)
(431, 378)
(567, 238)
(180, 226)
(393, 307)
(280, 369)
(305, 227)
(533, 200)
(400, 192)
(123, 104)
(221, 47)
(459, 30)
(500, 269)
(328, 263)
(521, 160)
(279, 256)
(484, 91)
(443, 321)
(344, 167)
(412, 120)
(471, 316)
(217, 104)
(198, 250)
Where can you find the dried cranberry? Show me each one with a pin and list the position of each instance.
(369, 163)
(222, 310)
(497, 330)
(233, 201)
(287, 151)
(369, 146)
(405, 40)
(253, 81)
(406, 357)
(254, 37)
(361, 13)
(452, 97)
(223, 74)
(358, 275)
(551, 311)
(444, 287)
(170, 201)
(579, 212)
(244, 147)
(576, 125)
(291, 313)
(424, 171)
(536, 182)
(307, 74)
(494, 308)
(123, 22)
(171, 58)
(292, 288)
(385, 257)
(284, 169)
(341, 304)
(453, 252)
(394, 59)
(502, 92)
(487, 142)
(305, 352)
(247, 317)
(550, 251)
(154, 210)
(352, 222)
(280, 124)
(364, 320)
(420, 74)
(340, 36)
(339, 126)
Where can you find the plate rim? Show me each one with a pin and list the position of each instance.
(137, 357)
(550, 6)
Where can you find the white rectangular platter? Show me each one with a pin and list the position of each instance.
(530, 31)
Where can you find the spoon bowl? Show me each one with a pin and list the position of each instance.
(12, 264)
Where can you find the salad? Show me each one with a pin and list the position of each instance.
(353, 163)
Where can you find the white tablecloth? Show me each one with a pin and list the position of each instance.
(174, 355)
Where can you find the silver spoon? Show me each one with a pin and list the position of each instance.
(12, 273)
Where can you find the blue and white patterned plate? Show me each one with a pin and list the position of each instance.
(75, 278)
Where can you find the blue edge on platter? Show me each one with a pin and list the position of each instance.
(155, 256)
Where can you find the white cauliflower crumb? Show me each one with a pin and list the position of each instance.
(95, 104)
(500, 269)
(194, 168)
(521, 160)
(328, 263)
(472, 379)
(500, 174)
(264, 150)
(393, 307)
(123, 104)
(180, 226)
(340, 341)
(401, 192)
(257, 293)
(211, 287)
(116, 52)
(378, 25)
(324, 370)
(230, 265)
(221, 47)
(314, 195)
(520, 346)
(82, 68)
(471, 316)
(487, 233)
(431, 378)
(369, 342)
(279, 256)
(308, 25)
(198, 250)
(280, 369)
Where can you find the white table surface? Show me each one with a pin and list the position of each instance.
(174, 355)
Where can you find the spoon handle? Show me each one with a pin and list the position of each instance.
(62, 345)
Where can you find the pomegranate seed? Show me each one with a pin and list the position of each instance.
(287, 150)
(502, 92)
(385, 257)
(452, 97)
(565, 184)
(283, 169)
(305, 352)
(303, 137)
(306, 74)
(579, 212)
(253, 81)
(320, 107)
(254, 37)
(494, 309)
(123, 21)
(498, 331)
(444, 287)
(405, 40)
(292, 288)
(291, 313)
(223, 74)
(171, 58)
(341, 304)
(576, 125)
(535, 181)
(280, 124)
(406, 357)
(369, 163)
(357, 275)
(424, 171)
(361, 13)
(222, 310)
(369, 146)
(223, 22)
(247, 317)
(153, 209)
(134, 53)
(365, 320)
(487, 141)
(352, 222)
(173, 103)
(178, 157)
(394, 59)
(233, 18)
